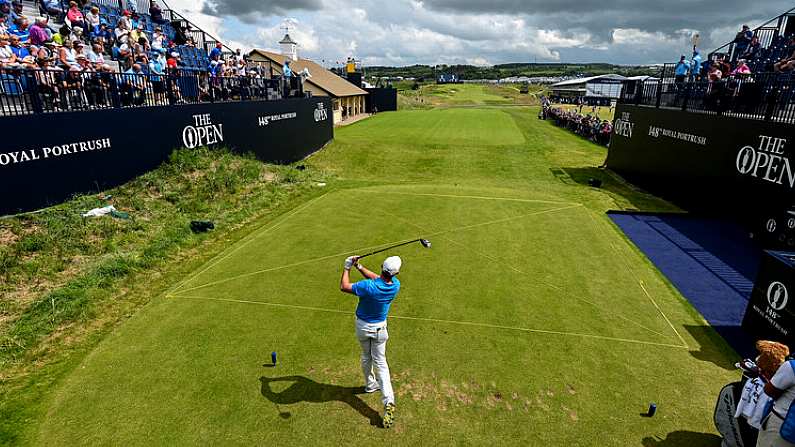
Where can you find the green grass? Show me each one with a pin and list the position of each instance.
(531, 321)
(466, 95)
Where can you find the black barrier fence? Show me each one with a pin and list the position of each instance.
(50, 157)
(381, 100)
(721, 165)
(760, 96)
(25, 91)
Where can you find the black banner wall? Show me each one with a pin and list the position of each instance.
(706, 162)
(47, 158)
(381, 100)
(770, 314)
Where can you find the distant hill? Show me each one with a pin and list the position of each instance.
(508, 70)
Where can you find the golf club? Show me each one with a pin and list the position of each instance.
(425, 243)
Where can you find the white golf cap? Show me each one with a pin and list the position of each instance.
(392, 265)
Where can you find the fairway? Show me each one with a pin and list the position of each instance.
(530, 321)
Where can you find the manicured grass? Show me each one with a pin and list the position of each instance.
(466, 95)
(531, 321)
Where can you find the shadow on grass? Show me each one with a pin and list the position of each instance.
(626, 195)
(713, 345)
(684, 438)
(304, 389)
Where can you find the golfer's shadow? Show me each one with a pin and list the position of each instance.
(307, 390)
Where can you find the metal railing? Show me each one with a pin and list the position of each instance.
(31, 91)
(760, 96)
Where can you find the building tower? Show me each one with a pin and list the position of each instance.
(289, 46)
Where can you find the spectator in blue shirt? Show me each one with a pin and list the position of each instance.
(682, 69)
(16, 11)
(20, 29)
(19, 50)
(53, 7)
(215, 53)
(695, 64)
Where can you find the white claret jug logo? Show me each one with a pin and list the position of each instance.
(321, 114)
(777, 295)
(771, 226)
(767, 161)
(203, 132)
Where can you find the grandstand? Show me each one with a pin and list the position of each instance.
(137, 53)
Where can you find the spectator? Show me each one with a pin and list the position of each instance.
(92, 20)
(172, 62)
(48, 51)
(695, 64)
(156, 13)
(7, 56)
(125, 19)
(138, 33)
(180, 33)
(75, 17)
(20, 51)
(714, 74)
(38, 32)
(134, 87)
(16, 11)
(682, 69)
(217, 52)
(157, 77)
(785, 64)
(723, 65)
(96, 54)
(63, 35)
(158, 39)
(47, 84)
(753, 51)
(52, 7)
(5, 8)
(104, 33)
(3, 24)
(20, 29)
(122, 33)
(67, 56)
(742, 40)
(742, 69)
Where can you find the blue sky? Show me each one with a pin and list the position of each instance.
(405, 32)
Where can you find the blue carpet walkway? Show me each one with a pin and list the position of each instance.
(712, 262)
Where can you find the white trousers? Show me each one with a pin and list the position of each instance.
(373, 337)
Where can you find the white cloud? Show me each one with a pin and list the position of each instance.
(399, 32)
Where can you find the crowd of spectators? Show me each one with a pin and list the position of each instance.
(139, 55)
(589, 125)
(746, 57)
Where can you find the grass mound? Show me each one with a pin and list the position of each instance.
(65, 279)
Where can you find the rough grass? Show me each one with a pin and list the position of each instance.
(66, 280)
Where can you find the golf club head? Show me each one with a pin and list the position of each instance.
(425, 243)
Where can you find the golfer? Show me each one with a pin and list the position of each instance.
(375, 293)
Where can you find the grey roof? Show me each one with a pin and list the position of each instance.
(577, 81)
(288, 40)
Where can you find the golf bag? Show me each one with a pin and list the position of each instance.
(728, 426)
(735, 431)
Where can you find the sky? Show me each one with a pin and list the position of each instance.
(480, 32)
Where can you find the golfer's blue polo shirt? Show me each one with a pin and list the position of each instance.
(375, 297)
